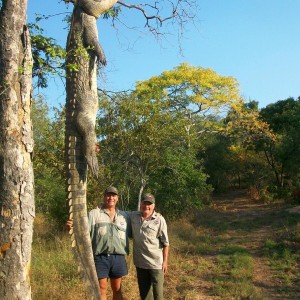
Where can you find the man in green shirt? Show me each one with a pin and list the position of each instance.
(109, 235)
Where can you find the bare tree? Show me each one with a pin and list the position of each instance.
(16, 145)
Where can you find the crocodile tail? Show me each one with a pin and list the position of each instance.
(76, 177)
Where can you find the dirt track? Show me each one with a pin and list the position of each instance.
(249, 223)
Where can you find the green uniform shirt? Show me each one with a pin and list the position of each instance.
(149, 237)
(109, 236)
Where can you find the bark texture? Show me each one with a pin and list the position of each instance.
(16, 145)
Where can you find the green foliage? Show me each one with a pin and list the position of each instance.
(180, 183)
(283, 155)
(48, 56)
(245, 127)
(3, 87)
(169, 137)
(112, 13)
(250, 141)
(192, 91)
(48, 161)
(151, 136)
(262, 150)
(218, 163)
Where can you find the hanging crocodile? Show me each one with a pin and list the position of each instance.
(83, 51)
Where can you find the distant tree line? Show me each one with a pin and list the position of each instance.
(182, 135)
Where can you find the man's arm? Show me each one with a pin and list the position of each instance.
(165, 258)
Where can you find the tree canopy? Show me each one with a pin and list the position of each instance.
(188, 127)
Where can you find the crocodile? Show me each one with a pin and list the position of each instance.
(84, 53)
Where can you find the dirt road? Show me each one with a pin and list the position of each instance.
(265, 221)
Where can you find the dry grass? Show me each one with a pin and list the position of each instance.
(248, 251)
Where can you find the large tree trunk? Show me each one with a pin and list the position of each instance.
(16, 145)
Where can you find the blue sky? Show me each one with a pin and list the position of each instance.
(255, 41)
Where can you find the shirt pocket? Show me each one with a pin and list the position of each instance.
(151, 231)
(122, 223)
(102, 230)
(121, 233)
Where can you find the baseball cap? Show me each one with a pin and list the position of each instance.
(149, 198)
(111, 189)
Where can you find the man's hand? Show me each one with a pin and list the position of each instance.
(69, 225)
(165, 267)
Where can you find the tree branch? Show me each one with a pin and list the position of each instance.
(179, 10)
(150, 17)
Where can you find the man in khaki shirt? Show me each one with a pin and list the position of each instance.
(150, 248)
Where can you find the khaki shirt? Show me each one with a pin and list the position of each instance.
(109, 236)
(149, 238)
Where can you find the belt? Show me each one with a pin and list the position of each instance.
(109, 254)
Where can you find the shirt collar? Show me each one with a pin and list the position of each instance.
(153, 216)
(104, 209)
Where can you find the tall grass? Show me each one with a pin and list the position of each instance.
(208, 260)
(54, 271)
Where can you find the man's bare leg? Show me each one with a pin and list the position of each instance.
(103, 288)
(116, 288)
